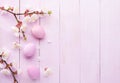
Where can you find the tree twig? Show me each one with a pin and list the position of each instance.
(8, 66)
(26, 13)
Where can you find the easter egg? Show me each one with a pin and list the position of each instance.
(29, 50)
(33, 72)
(38, 32)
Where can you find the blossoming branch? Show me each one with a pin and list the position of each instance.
(8, 67)
(29, 16)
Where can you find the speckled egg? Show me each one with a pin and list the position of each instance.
(38, 32)
(33, 72)
(29, 50)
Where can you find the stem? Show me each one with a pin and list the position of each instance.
(23, 33)
(34, 12)
(28, 13)
(7, 66)
(14, 14)
(23, 13)
(15, 80)
(9, 11)
(16, 18)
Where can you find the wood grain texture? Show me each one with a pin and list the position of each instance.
(69, 42)
(89, 16)
(110, 31)
(49, 47)
(25, 63)
(81, 43)
(7, 36)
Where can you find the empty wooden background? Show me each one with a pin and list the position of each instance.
(84, 36)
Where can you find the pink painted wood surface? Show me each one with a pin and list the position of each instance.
(89, 16)
(110, 60)
(30, 39)
(69, 42)
(7, 36)
(49, 47)
(81, 43)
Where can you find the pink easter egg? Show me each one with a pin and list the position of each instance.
(33, 72)
(29, 50)
(38, 32)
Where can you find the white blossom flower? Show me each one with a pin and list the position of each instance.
(5, 72)
(15, 29)
(45, 10)
(27, 19)
(23, 27)
(1, 66)
(34, 17)
(14, 64)
(6, 7)
(16, 45)
(47, 72)
(16, 10)
(19, 71)
(6, 53)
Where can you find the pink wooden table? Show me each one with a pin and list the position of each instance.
(84, 36)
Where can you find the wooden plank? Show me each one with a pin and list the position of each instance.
(25, 63)
(7, 21)
(110, 31)
(49, 47)
(69, 41)
(89, 16)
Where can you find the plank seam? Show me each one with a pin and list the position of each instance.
(59, 41)
(99, 41)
